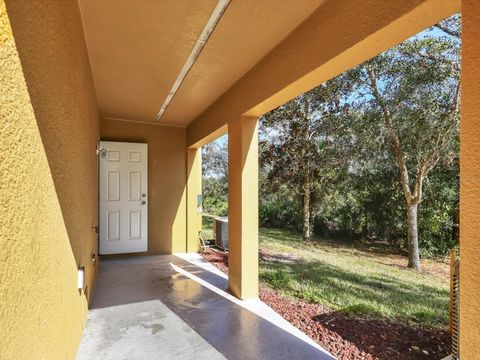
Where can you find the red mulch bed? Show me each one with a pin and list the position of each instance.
(347, 337)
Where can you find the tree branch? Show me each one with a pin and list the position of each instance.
(446, 30)
(434, 156)
(395, 140)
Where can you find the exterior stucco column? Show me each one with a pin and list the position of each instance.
(470, 183)
(194, 188)
(243, 207)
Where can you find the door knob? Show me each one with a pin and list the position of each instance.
(143, 195)
(143, 202)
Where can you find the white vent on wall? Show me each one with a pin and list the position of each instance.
(81, 278)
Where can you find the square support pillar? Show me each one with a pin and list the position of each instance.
(470, 183)
(194, 189)
(243, 207)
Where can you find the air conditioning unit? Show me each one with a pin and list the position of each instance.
(221, 233)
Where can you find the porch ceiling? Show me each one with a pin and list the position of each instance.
(137, 49)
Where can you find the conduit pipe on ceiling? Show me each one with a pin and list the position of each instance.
(195, 53)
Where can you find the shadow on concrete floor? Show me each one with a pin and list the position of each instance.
(169, 308)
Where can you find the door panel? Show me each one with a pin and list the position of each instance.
(113, 225)
(134, 185)
(123, 198)
(113, 185)
(135, 225)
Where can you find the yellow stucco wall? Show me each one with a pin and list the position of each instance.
(470, 183)
(41, 310)
(166, 180)
(50, 41)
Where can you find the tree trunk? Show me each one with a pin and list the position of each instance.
(413, 251)
(307, 232)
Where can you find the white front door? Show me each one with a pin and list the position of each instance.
(123, 197)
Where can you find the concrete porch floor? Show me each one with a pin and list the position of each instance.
(177, 307)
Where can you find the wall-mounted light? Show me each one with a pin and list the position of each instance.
(100, 151)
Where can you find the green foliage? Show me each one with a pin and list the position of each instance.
(215, 196)
(335, 144)
(348, 134)
(371, 205)
(301, 155)
(215, 173)
(207, 227)
(439, 212)
(279, 208)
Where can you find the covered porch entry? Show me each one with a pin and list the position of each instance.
(175, 75)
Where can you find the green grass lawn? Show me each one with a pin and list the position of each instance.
(361, 280)
(207, 226)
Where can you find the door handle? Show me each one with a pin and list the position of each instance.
(143, 202)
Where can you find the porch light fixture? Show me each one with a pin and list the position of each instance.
(195, 53)
(100, 151)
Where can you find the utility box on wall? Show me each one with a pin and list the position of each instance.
(221, 233)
